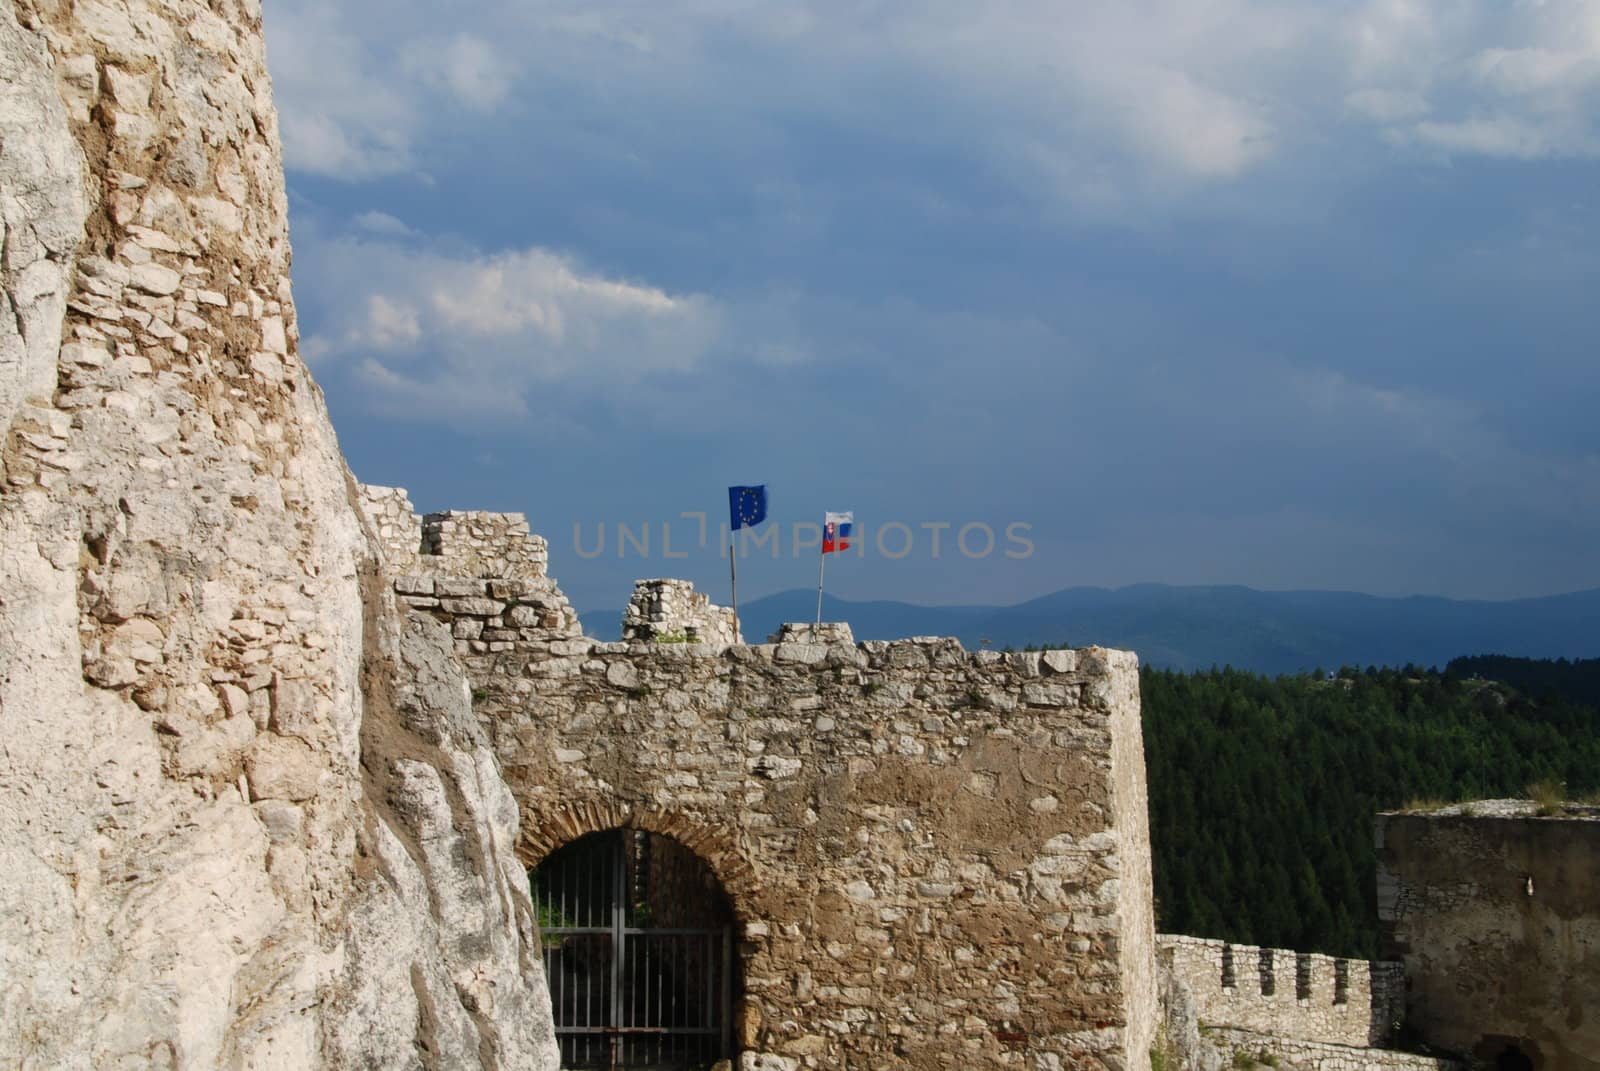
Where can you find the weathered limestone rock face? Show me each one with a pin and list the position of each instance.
(231, 837)
(443, 955)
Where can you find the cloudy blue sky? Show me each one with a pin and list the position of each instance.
(1290, 293)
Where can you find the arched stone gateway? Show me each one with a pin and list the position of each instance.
(545, 833)
(639, 950)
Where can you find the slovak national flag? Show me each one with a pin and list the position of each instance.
(836, 530)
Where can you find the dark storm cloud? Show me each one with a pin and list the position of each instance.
(1259, 292)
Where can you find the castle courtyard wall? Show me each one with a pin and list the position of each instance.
(921, 841)
(938, 858)
(1304, 996)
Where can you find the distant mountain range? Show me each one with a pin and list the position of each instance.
(1198, 627)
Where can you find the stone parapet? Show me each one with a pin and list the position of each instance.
(483, 545)
(1288, 994)
(671, 611)
(456, 544)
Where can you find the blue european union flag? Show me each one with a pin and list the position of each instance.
(747, 506)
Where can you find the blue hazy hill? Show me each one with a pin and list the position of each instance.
(1198, 627)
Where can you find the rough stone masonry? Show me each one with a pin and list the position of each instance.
(939, 857)
(246, 817)
(1491, 905)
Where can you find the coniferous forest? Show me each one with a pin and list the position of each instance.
(1263, 790)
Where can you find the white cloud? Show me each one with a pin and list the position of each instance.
(1387, 105)
(1485, 78)
(341, 116)
(538, 292)
(467, 335)
(388, 325)
(361, 85)
(1202, 132)
(1506, 136)
(1102, 105)
(1525, 71)
(382, 223)
(1394, 38)
(1111, 97)
(466, 68)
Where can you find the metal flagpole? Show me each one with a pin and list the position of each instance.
(822, 564)
(733, 578)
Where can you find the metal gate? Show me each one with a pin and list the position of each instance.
(638, 952)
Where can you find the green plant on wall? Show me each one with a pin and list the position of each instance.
(552, 917)
(1548, 794)
(1163, 1053)
(547, 914)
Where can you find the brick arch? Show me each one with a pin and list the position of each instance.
(544, 833)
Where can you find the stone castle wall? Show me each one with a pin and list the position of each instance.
(1492, 909)
(672, 610)
(479, 544)
(491, 617)
(937, 856)
(470, 544)
(481, 574)
(397, 526)
(1304, 996)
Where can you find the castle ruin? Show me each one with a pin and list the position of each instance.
(1491, 907)
(936, 858)
(277, 755)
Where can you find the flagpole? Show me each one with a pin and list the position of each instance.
(822, 564)
(733, 578)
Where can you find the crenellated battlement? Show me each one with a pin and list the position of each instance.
(1288, 994)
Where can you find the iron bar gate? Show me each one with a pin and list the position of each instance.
(638, 953)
